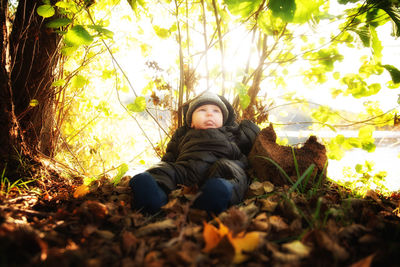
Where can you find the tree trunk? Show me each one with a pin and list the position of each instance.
(28, 61)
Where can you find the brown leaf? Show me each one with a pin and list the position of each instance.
(129, 241)
(372, 194)
(81, 190)
(153, 259)
(156, 227)
(366, 262)
(278, 223)
(105, 234)
(94, 208)
(89, 229)
(268, 186)
(288, 258)
(235, 219)
(352, 231)
(324, 241)
(257, 188)
(268, 204)
(261, 222)
(297, 248)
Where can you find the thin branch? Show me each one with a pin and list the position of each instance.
(125, 76)
(205, 44)
(221, 45)
(133, 117)
(181, 69)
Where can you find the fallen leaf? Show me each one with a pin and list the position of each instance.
(288, 258)
(372, 194)
(94, 208)
(366, 262)
(81, 190)
(129, 241)
(257, 188)
(278, 223)
(213, 235)
(324, 241)
(244, 243)
(298, 248)
(268, 187)
(261, 223)
(267, 204)
(155, 227)
(89, 229)
(105, 234)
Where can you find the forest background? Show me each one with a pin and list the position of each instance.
(96, 87)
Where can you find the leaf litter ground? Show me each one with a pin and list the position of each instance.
(274, 226)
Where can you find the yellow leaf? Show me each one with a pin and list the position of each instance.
(212, 236)
(244, 243)
(297, 248)
(80, 191)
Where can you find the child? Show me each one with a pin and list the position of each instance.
(209, 150)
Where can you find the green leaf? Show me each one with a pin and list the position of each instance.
(138, 105)
(33, 103)
(376, 45)
(46, 11)
(394, 73)
(284, 9)
(336, 75)
(60, 82)
(161, 32)
(57, 23)
(369, 147)
(244, 99)
(134, 5)
(306, 10)
(78, 81)
(269, 24)
(121, 172)
(68, 50)
(77, 36)
(366, 131)
(243, 8)
(101, 30)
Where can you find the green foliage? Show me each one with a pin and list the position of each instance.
(363, 177)
(7, 185)
(283, 9)
(121, 172)
(46, 11)
(135, 4)
(58, 23)
(77, 36)
(243, 8)
(394, 73)
(138, 105)
(92, 81)
(243, 96)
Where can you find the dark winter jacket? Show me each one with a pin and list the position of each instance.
(194, 156)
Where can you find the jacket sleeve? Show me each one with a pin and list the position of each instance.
(172, 151)
(248, 132)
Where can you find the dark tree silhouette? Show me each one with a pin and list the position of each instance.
(29, 59)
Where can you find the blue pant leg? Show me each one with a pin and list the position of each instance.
(147, 194)
(215, 197)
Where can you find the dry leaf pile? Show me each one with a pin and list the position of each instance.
(275, 226)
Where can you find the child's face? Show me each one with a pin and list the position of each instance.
(206, 117)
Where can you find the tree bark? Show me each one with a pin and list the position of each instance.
(29, 57)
